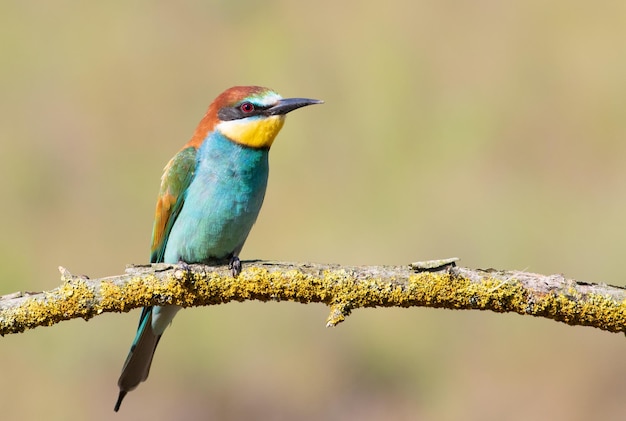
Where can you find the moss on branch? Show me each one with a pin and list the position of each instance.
(342, 288)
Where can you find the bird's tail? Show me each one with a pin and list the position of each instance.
(137, 365)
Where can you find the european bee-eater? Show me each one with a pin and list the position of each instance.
(211, 193)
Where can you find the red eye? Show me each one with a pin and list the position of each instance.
(247, 107)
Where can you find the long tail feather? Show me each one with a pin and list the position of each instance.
(137, 365)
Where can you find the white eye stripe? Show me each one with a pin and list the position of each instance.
(266, 100)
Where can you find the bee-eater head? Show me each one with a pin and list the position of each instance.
(250, 115)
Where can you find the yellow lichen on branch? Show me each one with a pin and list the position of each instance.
(342, 288)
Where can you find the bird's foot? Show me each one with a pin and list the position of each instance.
(182, 265)
(235, 266)
(184, 271)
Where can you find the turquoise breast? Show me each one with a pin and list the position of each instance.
(221, 203)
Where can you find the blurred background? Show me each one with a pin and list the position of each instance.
(492, 131)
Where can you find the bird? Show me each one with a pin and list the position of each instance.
(210, 196)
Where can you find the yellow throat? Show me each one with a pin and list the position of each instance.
(257, 133)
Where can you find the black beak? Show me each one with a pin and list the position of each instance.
(286, 105)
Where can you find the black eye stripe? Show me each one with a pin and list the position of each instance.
(235, 112)
(228, 113)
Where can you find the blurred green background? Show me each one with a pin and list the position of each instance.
(493, 131)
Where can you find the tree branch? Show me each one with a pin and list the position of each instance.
(342, 288)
